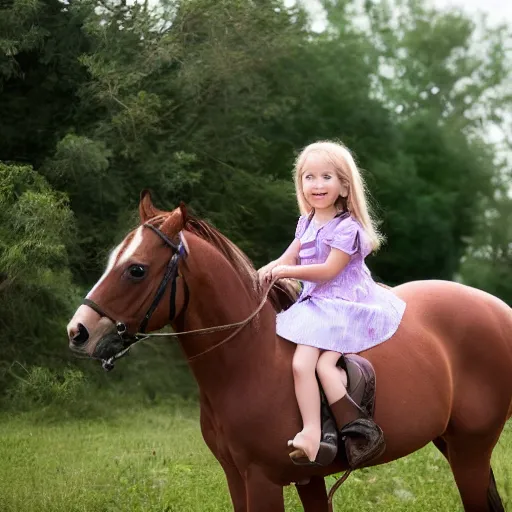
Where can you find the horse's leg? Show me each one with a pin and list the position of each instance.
(262, 494)
(471, 467)
(493, 496)
(215, 442)
(313, 495)
(236, 485)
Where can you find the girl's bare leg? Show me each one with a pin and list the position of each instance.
(333, 378)
(308, 397)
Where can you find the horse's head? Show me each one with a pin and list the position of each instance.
(134, 293)
(142, 288)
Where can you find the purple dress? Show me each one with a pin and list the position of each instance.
(349, 313)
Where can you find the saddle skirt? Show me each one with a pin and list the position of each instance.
(361, 385)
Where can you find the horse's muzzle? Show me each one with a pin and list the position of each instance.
(109, 346)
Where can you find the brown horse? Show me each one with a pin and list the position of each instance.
(445, 376)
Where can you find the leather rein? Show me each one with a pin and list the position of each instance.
(171, 273)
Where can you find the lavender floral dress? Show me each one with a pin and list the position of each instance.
(349, 313)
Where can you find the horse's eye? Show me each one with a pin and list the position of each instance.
(137, 271)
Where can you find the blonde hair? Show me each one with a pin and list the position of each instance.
(348, 173)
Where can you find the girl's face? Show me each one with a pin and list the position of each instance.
(320, 182)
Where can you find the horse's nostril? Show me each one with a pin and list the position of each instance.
(81, 336)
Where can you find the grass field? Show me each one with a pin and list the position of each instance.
(154, 460)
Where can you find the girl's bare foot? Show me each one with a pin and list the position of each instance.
(307, 441)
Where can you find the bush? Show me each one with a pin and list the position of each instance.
(42, 387)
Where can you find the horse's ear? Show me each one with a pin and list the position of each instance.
(174, 222)
(146, 208)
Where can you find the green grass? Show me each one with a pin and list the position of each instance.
(154, 459)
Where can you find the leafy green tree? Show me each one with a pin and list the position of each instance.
(442, 93)
(40, 42)
(440, 61)
(185, 93)
(208, 102)
(20, 33)
(36, 291)
(488, 262)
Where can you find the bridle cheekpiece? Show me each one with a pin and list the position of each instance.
(170, 275)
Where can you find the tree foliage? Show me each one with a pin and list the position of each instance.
(36, 289)
(209, 101)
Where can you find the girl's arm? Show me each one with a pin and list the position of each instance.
(288, 258)
(291, 255)
(317, 273)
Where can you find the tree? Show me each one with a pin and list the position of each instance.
(36, 291)
(436, 87)
(488, 261)
(40, 75)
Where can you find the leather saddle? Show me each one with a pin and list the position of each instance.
(361, 382)
(361, 385)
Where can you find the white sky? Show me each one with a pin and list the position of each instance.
(496, 10)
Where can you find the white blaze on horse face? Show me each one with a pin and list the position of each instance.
(134, 245)
(128, 252)
(111, 262)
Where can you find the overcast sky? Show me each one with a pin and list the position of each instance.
(497, 10)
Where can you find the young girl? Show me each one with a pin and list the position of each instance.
(341, 309)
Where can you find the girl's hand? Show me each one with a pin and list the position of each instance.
(265, 273)
(280, 271)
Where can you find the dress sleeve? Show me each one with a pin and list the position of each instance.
(344, 237)
(301, 226)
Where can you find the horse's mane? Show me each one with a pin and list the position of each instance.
(284, 292)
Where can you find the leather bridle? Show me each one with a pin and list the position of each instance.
(170, 275)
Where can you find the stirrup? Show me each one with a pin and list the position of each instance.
(326, 454)
(364, 441)
(328, 443)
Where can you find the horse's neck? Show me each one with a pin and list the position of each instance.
(219, 296)
(238, 364)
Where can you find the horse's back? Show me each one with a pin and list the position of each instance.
(448, 366)
(470, 325)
